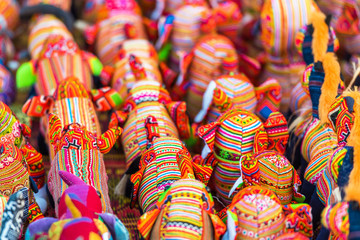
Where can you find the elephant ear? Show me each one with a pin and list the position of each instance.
(214, 228)
(15, 215)
(232, 223)
(277, 131)
(25, 75)
(105, 99)
(268, 95)
(107, 140)
(177, 111)
(208, 100)
(55, 129)
(184, 162)
(37, 106)
(207, 133)
(40, 226)
(149, 224)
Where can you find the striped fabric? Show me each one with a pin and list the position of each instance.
(186, 30)
(9, 14)
(337, 218)
(3, 201)
(299, 99)
(112, 34)
(10, 127)
(234, 138)
(160, 172)
(255, 213)
(317, 147)
(45, 26)
(73, 105)
(134, 137)
(239, 89)
(327, 184)
(186, 213)
(63, 4)
(280, 21)
(87, 164)
(123, 78)
(214, 55)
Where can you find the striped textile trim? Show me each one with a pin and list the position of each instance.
(298, 98)
(51, 71)
(134, 137)
(160, 172)
(214, 55)
(317, 147)
(241, 92)
(88, 165)
(112, 34)
(328, 181)
(280, 21)
(45, 26)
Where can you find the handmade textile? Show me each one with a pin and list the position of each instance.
(338, 219)
(63, 4)
(255, 213)
(7, 85)
(196, 220)
(214, 55)
(9, 12)
(159, 167)
(78, 151)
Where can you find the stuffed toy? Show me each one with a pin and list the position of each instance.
(196, 220)
(117, 21)
(256, 213)
(231, 144)
(145, 99)
(14, 212)
(237, 91)
(278, 38)
(136, 60)
(202, 66)
(73, 146)
(80, 216)
(165, 161)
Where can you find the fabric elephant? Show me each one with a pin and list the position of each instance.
(117, 21)
(148, 98)
(237, 91)
(74, 146)
(79, 208)
(231, 161)
(256, 213)
(196, 220)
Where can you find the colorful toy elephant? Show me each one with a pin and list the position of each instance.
(256, 213)
(196, 220)
(80, 152)
(148, 98)
(80, 216)
(237, 91)
(278, 38)
(230, 143)
(117, 21)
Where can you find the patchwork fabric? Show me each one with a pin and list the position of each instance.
(255, 213)
(336, 219)
(298, 219)
(277, 131)
(10, 127)
(192, 222)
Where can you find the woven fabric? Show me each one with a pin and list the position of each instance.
(298, 219)
(9, 12)
(299, 98)
(59, 59)
(14, 172)
(240, 91)
(186, 30)
(317, 147)
(45, 26)
(234, 137)
(10, 127)
(277, 174)
(336, 219)
(255, 213)
(214, 55)
(7, 86)
(348, 22)
(123, 78)
(277, 131)
(3, 201)
(159, 169)
(63, 4)
(112, 34)
(189, 223)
